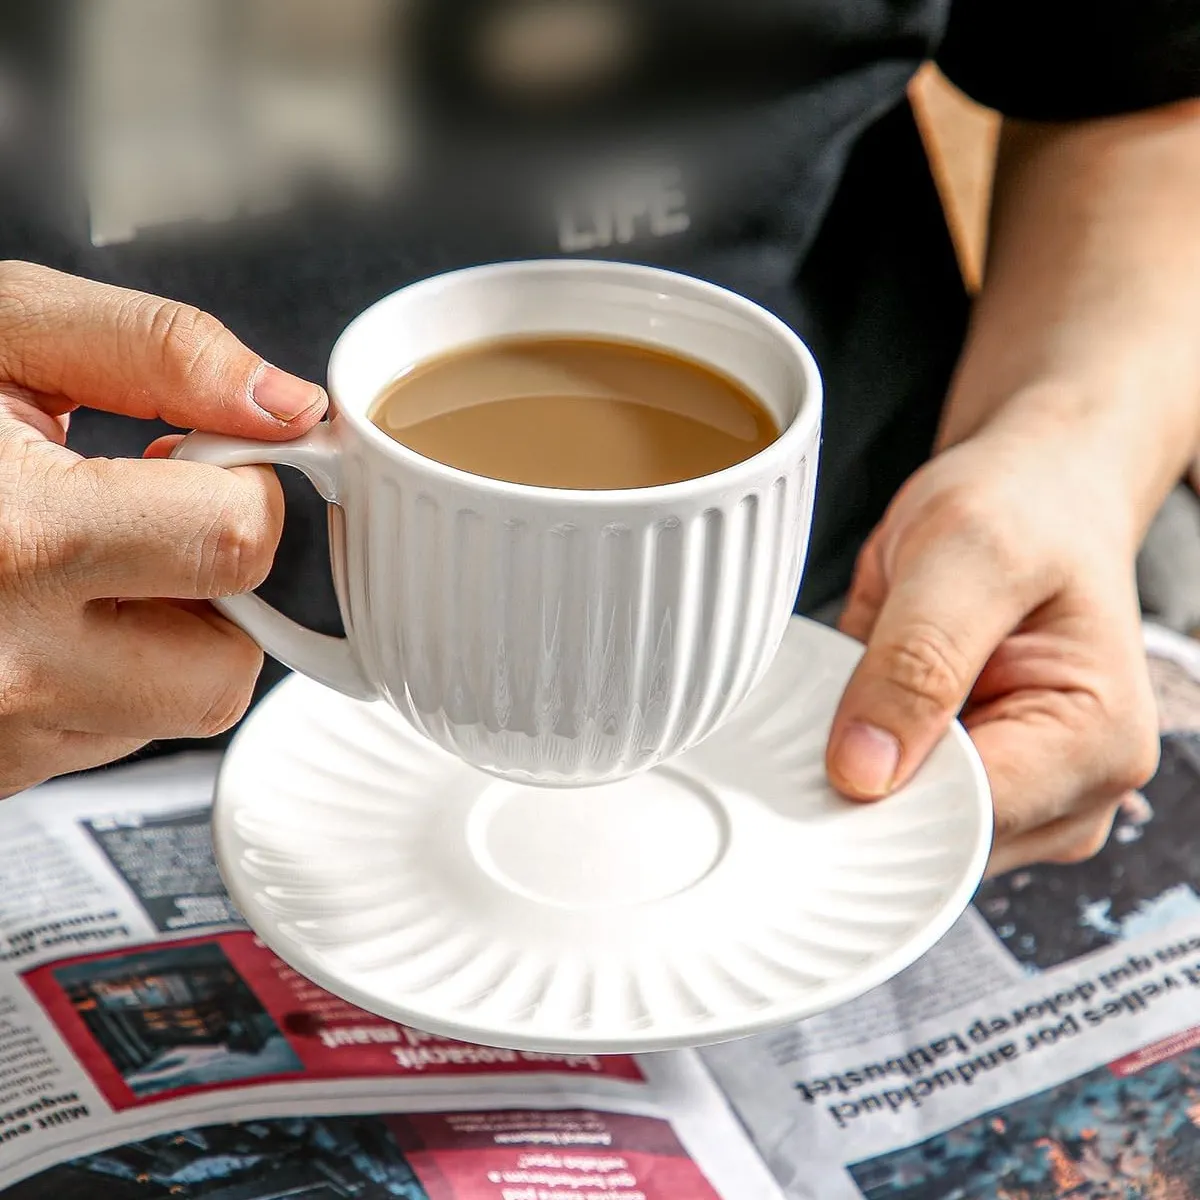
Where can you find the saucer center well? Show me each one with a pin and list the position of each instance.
(611, 846)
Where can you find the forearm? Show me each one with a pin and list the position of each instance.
(1088, 324)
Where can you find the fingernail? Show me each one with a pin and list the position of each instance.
(867, 759)
(284, 396)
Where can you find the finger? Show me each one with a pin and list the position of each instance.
(45, 754)
(48, 415)
(122, 351)
(1050, 758)
(1040, 760)
(946, 610)
(868, 590)
(133, 528)
(151, 670)
(1065, 713)
(163, 447)
(1065, 842)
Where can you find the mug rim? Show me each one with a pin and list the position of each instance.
(793, 438)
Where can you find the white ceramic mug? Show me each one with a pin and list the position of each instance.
(544, 635)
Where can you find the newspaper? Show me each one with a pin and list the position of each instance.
(1048, 1047)
(151, 1045)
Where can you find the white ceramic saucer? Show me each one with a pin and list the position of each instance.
(727, 892)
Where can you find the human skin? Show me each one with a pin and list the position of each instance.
(1000, 583)
(94, 662)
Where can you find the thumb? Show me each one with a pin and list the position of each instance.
(943, 616)
(121, 351)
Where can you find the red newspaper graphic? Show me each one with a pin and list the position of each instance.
(547, 1155)
(183, 1017)
(1150, 1056)
(580, 1155)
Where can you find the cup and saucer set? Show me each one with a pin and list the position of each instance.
(561, 786)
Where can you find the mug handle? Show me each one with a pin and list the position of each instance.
(328, 660)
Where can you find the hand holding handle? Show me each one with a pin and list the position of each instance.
(329, 660)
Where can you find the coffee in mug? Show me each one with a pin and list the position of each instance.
(578, 413)
(560, 629)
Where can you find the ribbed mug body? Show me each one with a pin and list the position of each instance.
(569, 637)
